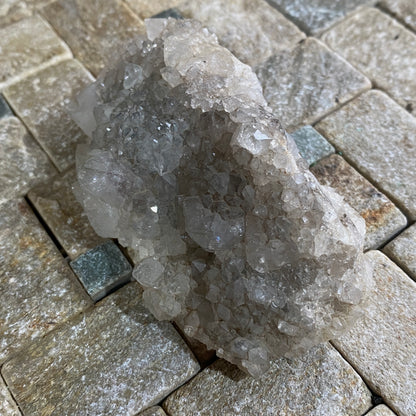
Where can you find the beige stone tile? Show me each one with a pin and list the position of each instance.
(382, 49)
(381, 410)
(38, 289)
(378, 137)
(381, 346)
(115, 359)
(12, 11)
(42, 100)
(304, 83)
(148, 8)
(153, 411)
(27, 46)
(403, 10)
(7, 404)
(95, 30)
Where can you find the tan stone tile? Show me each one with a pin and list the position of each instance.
(7, 404)
(403, 10)
(148, 8)
(12, 11)
(41, 101)
(381, 410)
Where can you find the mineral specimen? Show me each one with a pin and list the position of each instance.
(234, 238)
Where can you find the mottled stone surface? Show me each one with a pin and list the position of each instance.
(115, 359)
(148, 8)
(381, 346)
(382, 49)
(102, 269)
(321, 383)
(41, 101)
(94, 29)
(379, 138)
(312, 146)
(381, 410)
(12, 11)
(403, 10)
(305, 83)
(7, 404)
(55, 201)
(5, 110)
(27, 46)
(22, 163)
(251, 29)
(38, 289)
(383, 219)
(153, 411)
(403, 250)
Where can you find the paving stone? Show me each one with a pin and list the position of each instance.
(22, 163)
(321, 383)
(381, 410)
(382, 49)
(41, 101)
(378, 137)
(115, 359)
(381, 345)
(383, 219)
(38, 289)
(95, 29)
(312, 146)
(27, 46)
(251, 29)
(12, 11)
(56, 203)
(148, 8)
(403, 10)
(403, 250)
(5, 110)
(153, 411)
(102, 269)
(7, 405)
(313, 16)
(305, 83)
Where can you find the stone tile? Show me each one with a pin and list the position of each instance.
(5, 110)
(95, 30)
(56, 203)
(403, 10)
(38, 289)
(381, 346)
(305, 83)
(27, 46)
(321, 383)
(7, 404)
(153, 411)
(22, 163)
(312, 146)
(102, 269)
(378, 137)
(380, 48)
(313, 16)
(251, 29)
(12, 11)
(115, 359)
(383, 219)
(148, 8)
(41, 101)
(381, 410)
(403, 250)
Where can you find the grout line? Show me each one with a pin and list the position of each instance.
(394, 16)
(10, 392)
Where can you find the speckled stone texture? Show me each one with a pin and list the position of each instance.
(153, 411)
(27, 46)
(38, 289)
(12, 11)
(41, 101)
(403, 10)
(381, 346)
(23, 163)
(382, 49)
(321, 383)
(383, 219)
(7, 404)
(251, 29)
(65, 217)
(148, 8)
(305, 83)
(378, 137)
(5, 110)
(115, 359)
(381, 410)
(403, 250)
(94, 29)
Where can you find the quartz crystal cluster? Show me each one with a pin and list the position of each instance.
(234, 238)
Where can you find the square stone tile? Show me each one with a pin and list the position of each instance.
(381, 346)
(27, 46)
(380, 48)
(148, 8)
(64, 215)
(321, 383)
(381, 410)
(303, 84)
(5, 110)
(95, 30)
(102, 269)
(42, 100)
(403, 250)
(251, 29)
(12, 11)
(22, 162)
(115, 359)
(8, 406)
(403, 10)
(383, 219)
(38, 289)
(378, 137)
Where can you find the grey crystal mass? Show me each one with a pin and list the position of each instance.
(234, 238)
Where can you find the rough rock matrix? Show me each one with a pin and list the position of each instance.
(234, 238)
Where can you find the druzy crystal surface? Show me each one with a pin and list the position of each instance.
(233, 237)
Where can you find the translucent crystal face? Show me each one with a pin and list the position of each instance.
(233, 237)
